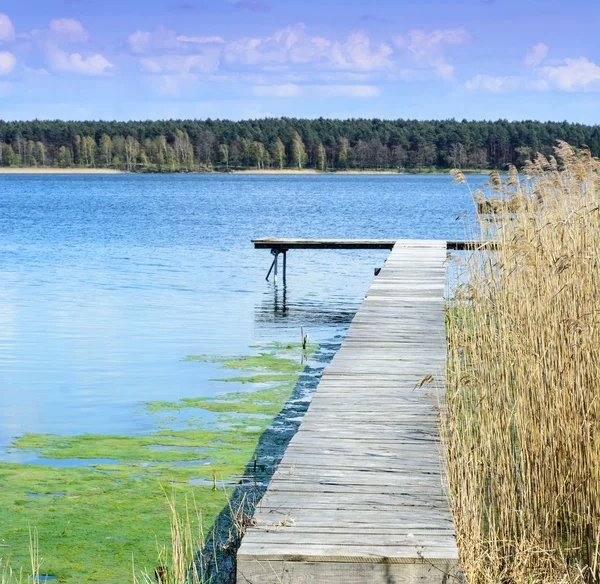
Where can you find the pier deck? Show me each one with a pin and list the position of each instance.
(359, 496)
(287, 243)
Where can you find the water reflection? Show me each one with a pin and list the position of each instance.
(107, 282)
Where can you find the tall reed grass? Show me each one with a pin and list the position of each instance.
(177, 563)
(522, 425)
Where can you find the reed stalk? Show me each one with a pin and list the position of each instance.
(522, 426)
(181, 562)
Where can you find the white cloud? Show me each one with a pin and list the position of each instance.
(292, 55)
(68, 29)
(292, 90)
(292, 46)
(182, 64)
(139, 40)
(428, 48)
(574, 74)
(287, 90)
(76, 63)
(492, 83)
(536, 55)
(422, 43)
(160, 40)
(280, 48)
(200, 40)
(7, 62)
(570, 75)
(349, 90)
(358, 53)
(163, 41)
(7, 31)
(498, 84)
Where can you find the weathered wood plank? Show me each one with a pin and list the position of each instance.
(262, 571)
(360, 494)
(325, 552)
(294, 243)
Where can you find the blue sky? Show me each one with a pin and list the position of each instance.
(424, 59)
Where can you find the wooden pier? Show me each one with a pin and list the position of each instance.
(360, 494)
(281, 245)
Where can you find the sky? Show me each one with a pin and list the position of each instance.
(239, 59)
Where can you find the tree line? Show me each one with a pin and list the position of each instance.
(280, 143)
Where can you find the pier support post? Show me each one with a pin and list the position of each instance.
(275, 253)
(284, 264)
(274, 265)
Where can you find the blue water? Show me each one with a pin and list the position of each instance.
(107, 282)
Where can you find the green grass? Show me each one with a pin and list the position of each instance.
(91, 521)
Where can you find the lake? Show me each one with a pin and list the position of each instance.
(107, 282)
(141, 347)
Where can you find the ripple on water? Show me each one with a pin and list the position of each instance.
(95, 269)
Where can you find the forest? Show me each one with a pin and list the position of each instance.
(285, 143)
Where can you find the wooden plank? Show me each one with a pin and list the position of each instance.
(355, 518)
(293, 243)
(308, 538)
(336, 552)
(290, 243)
(360, 494)
(261, 571)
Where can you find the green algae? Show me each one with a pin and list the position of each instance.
(91, 521)
(267, 401)
(288, 348)
(270, 358)
(91, 532)
(125, 448)
(258, 378)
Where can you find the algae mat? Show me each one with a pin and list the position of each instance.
(94, 520)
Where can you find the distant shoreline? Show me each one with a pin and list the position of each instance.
(442, 171)
(286, 171)
(308, 171)
(52, 170)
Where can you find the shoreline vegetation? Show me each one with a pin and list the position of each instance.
(249, 171)
(521, 432)
(284, 144)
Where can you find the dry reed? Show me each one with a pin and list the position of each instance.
(180, 563)
(522, 426)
